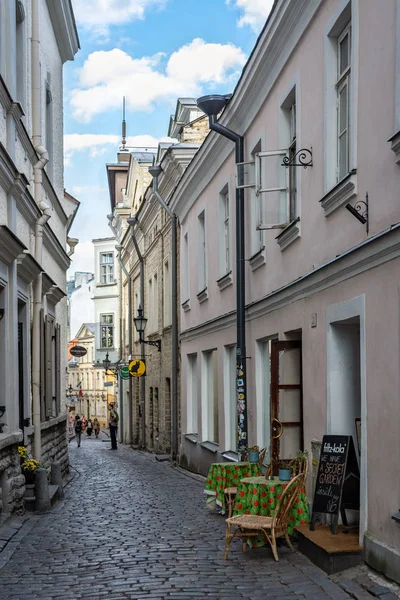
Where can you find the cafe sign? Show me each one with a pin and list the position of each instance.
(78, 351)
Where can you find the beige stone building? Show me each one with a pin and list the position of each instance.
(143, 227)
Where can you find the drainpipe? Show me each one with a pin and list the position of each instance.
(37, 305)
(155, 172)
(132, 221)
(212, 107)
(130, 412)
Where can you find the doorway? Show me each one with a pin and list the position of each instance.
(346, 385)
(287, 436)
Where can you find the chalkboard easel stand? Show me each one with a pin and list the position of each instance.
(348, 493)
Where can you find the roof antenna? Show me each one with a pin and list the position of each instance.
(123, 125)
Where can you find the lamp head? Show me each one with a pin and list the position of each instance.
(213, 104)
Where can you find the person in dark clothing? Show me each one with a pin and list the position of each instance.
(78, 430)
(113, 423)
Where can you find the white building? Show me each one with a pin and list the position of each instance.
(36, 39)
(80, 302)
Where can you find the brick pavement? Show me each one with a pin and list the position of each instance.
(132, 527)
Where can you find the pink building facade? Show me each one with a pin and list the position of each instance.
(324, 77)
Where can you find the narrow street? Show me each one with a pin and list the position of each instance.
(132, 527)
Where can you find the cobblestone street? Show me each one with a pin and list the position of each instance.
(132, 527)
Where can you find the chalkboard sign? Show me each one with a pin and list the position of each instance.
(338, 479)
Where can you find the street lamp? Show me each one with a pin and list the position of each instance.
(107, 365)
(212, 106)
(140, 324)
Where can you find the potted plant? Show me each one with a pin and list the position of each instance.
(285, 470)
(28, 468)
(23, 454)
(253, 454)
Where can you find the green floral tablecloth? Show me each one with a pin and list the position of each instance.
(259, 496)
(224, 475)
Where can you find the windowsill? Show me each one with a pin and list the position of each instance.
(258, 259)
(210, 446)
(340, 194)
(225, 281)
(202, 296)
(289, 234)
(186, 305)
(111, 349)
(395, 139)
(231, 456)
(192, 437)
(106, 284)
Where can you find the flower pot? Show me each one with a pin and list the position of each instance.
(254, 457)
(285, 474)
(30, 477)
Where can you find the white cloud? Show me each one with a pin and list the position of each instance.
(106, 76)
(99, 15)
(255, 12)
(96, 144)
(82, 259)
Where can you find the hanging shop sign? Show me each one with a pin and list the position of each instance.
(78, 351)
(137, 368)
(124, 373)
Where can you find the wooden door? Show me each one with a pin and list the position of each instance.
(286, 400)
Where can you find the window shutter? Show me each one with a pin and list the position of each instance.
(58, 369)
(276, 197)
(42, 368)
(48, 367)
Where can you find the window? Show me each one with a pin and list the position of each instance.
(230, 410)
(209, 397)
(256, 239)
(167, 295)
(202, 259)
(153, 304)
(106, 267)
(185, 285)
(191, 392)
(292, 170)
(107, 331)
(225, 233)
(49, 127)
(343, 102)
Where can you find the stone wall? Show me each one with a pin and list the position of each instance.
(55, 443)
(12, 482)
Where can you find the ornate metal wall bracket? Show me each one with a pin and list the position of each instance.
(360, 211)
(302, 158)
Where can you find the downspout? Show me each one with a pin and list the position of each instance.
(130, 411)
(132, 222)
(46, 214)
(37, 305)
(155, 171)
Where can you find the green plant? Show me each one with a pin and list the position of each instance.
(285, 464)
(23, 452)
(254, 449)
(302, 454)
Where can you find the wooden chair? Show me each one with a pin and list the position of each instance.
(271, 527)
(230, 492)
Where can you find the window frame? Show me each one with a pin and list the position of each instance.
(343, 82)
(109, 277)
(109, 326)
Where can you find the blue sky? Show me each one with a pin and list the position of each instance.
(152, 52)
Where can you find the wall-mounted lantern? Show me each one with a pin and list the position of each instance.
(140, 324)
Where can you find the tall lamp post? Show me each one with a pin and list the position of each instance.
(212, 106)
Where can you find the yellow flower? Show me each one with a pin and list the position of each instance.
(30, 464)
(22, 452)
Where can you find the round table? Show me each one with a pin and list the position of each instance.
(224, 475)
(259, 496)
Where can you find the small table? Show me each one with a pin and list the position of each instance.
(224, 475)
(259, 496)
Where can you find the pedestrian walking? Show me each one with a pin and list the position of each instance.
(113, 424)
(78, 430)
(96, 427)
(89, 428)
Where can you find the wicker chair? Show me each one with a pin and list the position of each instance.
(230, 492)
(271, 527)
